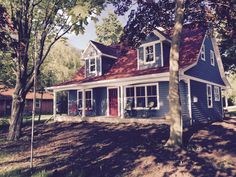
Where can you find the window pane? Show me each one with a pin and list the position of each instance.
(149, 57)
(88, 94)
(140, 91)
(79, 95)
(80, 104)
(130, 92)
(129, 103)
(88, 104)
(92, 64)
(151, 90)
(152, 102)
(141, 102)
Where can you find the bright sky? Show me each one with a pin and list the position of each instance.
(81, 41)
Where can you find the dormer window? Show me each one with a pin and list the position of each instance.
(92, 65)
(203, 53)
(212, 58)
(149, 54)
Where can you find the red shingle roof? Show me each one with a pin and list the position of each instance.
(126, 65)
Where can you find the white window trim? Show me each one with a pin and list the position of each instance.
(217, 92)
(203, 53)
(212, 57)
(135, 97)
(154, 54)
(209, 106)
(85, 98)
(95, 58)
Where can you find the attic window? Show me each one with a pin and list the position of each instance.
(212, 58)
(149, 54)
(92, 65)
(203, 53)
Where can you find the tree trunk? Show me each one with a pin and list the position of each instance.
(18, 103)
(174, 115)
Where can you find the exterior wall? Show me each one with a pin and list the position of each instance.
(200, 112)
(46, 107)
(204, 69)
(107, 64)
(2, 107)
(158, 57)
(166, 53)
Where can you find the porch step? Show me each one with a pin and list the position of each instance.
(158, 120)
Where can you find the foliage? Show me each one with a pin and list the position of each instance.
(110, 30)
(216, 14)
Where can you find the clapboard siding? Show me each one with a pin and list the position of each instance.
(200, 112)
(204, 69)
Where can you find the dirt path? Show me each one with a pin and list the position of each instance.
(109, 149)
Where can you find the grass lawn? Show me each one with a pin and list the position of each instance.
(109, 150)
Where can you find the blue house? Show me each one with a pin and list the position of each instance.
(124, 83)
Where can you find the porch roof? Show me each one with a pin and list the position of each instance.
(126, 65)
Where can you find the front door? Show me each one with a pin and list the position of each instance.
(113, 102)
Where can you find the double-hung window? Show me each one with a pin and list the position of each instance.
(140, 97)
(152, 96)
(149, 54)
(217, 93)
(92, 65)
(130, 97)
(212, 57)
(80, 100)
(89, 99)
(209, 96)
(203, 52)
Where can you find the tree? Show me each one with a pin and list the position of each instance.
(43, 22)
(172, 15)
(110, 30)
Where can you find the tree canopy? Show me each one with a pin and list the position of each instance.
(110, 30)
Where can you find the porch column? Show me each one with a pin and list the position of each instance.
(83, 103)
(54, 103)
(121, 102)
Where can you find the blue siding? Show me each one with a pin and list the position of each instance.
(166, 53)
(200, 112)
(204, 69)
(107, 64)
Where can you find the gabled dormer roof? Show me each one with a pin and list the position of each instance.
(102, 49)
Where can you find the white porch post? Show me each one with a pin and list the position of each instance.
(226, 100)
(54, 103)
(122, 102)
(83, 103)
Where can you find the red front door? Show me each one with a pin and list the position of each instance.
(113, 102)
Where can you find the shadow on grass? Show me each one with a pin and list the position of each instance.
(106, 149)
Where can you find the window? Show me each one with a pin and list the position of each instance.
(212, 58)
(217, 93)
(209, 96)
(80, 100)
(129, 97)
(89, 99)
(142, 96)
(92, 65)
(203, 53)
(149, 54)
(37, 103)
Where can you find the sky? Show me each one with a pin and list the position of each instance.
(81, 41)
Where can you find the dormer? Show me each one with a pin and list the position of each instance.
(98, 59)
(154, 51)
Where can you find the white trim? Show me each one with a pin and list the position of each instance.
(78, 99)
(100, 73)
(190, 101)
(162, 37)
(122, 102)
(118, 100)
(212, 58)
(162, 55)
(86, 90)
(138, 57)
(110, 56)
(201, 80)
(211, 95)
(68, 95)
